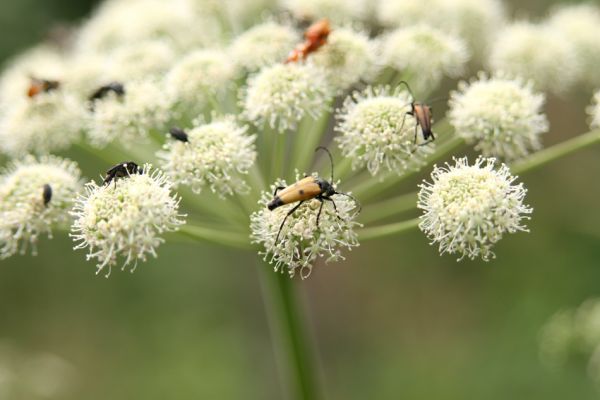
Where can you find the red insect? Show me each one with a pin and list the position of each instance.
(38, 86)
(315, 37)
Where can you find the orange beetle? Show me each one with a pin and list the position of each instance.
(422, 114)
(315, 36)
(38, 86)
(307, 188)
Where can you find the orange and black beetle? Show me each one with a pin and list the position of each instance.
(38, 86)
(307, 188)
(315, 36)
(422, 114)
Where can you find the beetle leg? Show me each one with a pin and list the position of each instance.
(277, 189)
(404, 119)
(320, 209)
(337, 214)
(286, 216)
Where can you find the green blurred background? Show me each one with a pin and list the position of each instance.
(395, 320)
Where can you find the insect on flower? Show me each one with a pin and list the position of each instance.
(115, 87)
(422, 114)
(121, 170)
(178, 134)
(310, 187)
(38, 86)
(47, 194)
(315, 37)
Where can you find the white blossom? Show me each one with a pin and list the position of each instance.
(468, 208)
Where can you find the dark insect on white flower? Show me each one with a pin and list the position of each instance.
(114, 87)
(121, 170)
(308, 188)
(46, 194)
(178, 134)
(38, 86)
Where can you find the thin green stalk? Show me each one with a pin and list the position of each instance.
(387, 230)
(557, 151)
(218, 236)
(389, 208)
(289, 336)
(278, 156)
(307, 138)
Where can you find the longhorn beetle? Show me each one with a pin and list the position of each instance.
(121, 170)
(422, 114)
(308, 188)
(315, 37)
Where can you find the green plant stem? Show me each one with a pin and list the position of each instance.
(557, 151)
(289, 335)
(371, 188)
(387, 230)
(306, 139)
(389, 208)
(218, 236)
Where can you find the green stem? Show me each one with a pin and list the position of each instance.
(289, 335)
(389, 208)
(307, 138)
(218, 236)
(387, 230)
(557, 151)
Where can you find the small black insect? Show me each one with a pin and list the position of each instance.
(179, 134)
(114, 87)
(47, 194)
(308, 188)
(121, 170)
(422, 114)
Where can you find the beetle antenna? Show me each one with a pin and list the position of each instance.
(353, 198)
(330, 159)
(407, 87)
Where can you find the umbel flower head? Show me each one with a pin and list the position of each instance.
(128, 118)
(426, 54)
(376, 132)
(502, 115)
(216, 155)
(125, 219)
(347, 57)
(197, 76)
(143, 59)
(475, 21)
(581, 24)
(35, 195)
(250, 52)
(594, 111)
(301, 241)
(573, 335)
(536, 52)
(468, 208)
(47, 122)
(281, 95)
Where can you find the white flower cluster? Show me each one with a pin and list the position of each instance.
(47, 122)
(130, 117)
(301, 242)
(502, 115)
(424, 54)
(216, 155)
(347, 57)
(377, 132)
(281, 95)
(573, 335)
(125, 219)
(250, 51)
(537, 52)
(468, 208)
(35, 196)
(336, 10)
